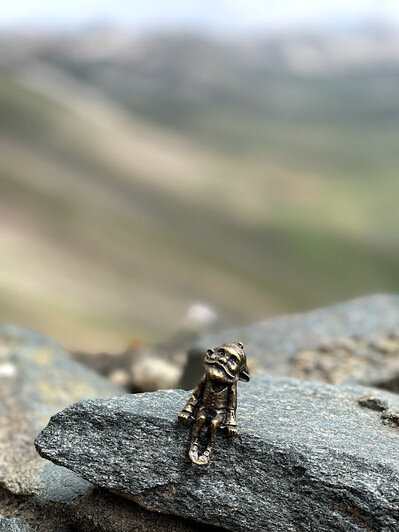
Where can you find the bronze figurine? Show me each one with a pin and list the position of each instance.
(214, 400)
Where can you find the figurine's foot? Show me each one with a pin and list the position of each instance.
(204, 458)
(193, 452)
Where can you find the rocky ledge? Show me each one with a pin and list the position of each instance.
(353, 342)
(309, 456)
(37, 379)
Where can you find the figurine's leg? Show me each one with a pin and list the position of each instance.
(215, 422)
(214, 425)
(201, 418)
(193, 452)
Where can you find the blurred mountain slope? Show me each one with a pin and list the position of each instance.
(120, 207)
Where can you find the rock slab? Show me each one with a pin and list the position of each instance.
(308, 457)
(37, 379)
(353, 342)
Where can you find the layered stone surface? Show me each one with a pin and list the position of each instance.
(37, 379)
(356, 341)
(309, 456)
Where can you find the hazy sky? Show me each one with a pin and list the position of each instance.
(229, 14)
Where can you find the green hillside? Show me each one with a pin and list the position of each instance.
(119, 210)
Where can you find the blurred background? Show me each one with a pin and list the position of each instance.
(241, 153)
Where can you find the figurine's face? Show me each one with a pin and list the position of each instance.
(227, 363)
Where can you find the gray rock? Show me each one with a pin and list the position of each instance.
(308, 457)
(37, 379)
(103, 511)
(96, 510)
(354, 342)
(13, 525)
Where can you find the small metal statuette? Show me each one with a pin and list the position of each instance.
(214, 400)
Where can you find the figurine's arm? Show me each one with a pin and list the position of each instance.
(192, 402)
(230, 420)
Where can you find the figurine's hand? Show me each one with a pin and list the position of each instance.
(183, 417)
(232, 431)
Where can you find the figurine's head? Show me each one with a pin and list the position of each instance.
(227, 363)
